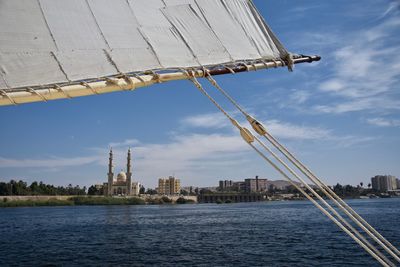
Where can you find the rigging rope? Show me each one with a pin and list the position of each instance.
(260, 129)
(342, 202)
(249, 138)
(343, 220)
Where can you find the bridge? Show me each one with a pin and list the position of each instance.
(232, 197)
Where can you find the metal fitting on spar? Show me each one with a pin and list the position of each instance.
(245, 133)
(257, 126)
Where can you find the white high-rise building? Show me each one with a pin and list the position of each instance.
(384, 183)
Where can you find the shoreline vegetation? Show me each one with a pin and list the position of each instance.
(91, 201)
(20, 194)
(54, 201)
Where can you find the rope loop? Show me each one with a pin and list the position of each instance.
(90, 87)
(156, 76)
(230, 69)
(5, 94)
(245, 65)
(129, 81)
(58, 88)
(32, 91)
(137, 76)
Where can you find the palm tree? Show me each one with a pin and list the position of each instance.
(361, 184)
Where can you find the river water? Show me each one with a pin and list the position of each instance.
(291, 233)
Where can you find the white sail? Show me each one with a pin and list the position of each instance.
(47, 42)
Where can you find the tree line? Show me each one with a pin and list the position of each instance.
(21, 188)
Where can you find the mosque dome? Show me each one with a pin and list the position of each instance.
(121, 177)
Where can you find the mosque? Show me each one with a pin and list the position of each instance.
(123, 185)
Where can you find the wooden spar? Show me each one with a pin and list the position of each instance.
(126, 83)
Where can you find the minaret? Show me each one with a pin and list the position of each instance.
(128, 174)
(110, 173)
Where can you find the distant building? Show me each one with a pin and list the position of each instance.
(239, 186)
(281, 184)
(398, 183)
(384, 183)
(169, 186)
(255, 185)
(123, 185)
(226, 185)
(249, 185)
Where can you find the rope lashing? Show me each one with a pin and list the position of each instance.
(259, 128)
(4, 93)
(275, 63)
(130, 85)
(59, 88)
(230, 69)
(245, 65)
(89, 87)
(34, 92)
(116, 83)
(140, 79)
(156, 76)
(290, 62)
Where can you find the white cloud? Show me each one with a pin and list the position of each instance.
(192, 157)
(363, 67)
(201, 158)
(209, 120)
(369, 103)
(280, 129)
(351, 140)
(128, 142)
(289, 131)
(363, 71)
(192, 154)
(382, 122)
(52, 162)
(299, 96)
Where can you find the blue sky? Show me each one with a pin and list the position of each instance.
(340, 116)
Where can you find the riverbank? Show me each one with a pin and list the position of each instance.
(39, 201)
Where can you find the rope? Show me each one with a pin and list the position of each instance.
(4, 93)
(34, 92)
(129, 82)
(59, 88)
(381, 261)
(204, 92)
(326, 190)
(140, 79)
(381, 257)
(90, 87)
(324, 202)
(354, 213)
(385, 244)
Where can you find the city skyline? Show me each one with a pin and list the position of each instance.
(343, 125)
